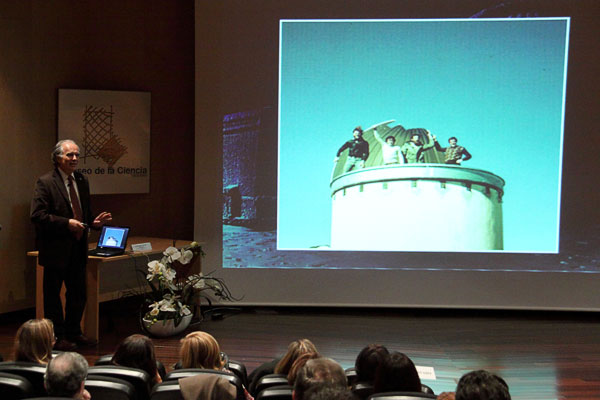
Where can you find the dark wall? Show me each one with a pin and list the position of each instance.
(133, 45)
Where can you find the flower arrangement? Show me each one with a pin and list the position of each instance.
(176, 294)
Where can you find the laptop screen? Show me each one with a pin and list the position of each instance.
(113, 237)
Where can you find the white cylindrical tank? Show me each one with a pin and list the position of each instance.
(417, 207)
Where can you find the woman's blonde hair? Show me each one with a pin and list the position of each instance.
(200, 350)
(34, 341)
(295, 350)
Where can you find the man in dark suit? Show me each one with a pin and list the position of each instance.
(61, 212)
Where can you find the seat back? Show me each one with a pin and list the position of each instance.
(401, 396)
(140, 380)
(15, 387)
(168, 390)
(362, 390)
(282, 392)
(270, 380)
(351, 375)
(104, 360)
(107, 360)
(109, 388)
(33, 372)
(240, 370)
(426, 389)
(187, 372)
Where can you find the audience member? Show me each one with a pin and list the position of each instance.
(203, 387)
(367, 362)
(295, 350)
(137, 351)
(65, 376)
(200, 350)
(34, 341)
(281, 365)
(328, 393)
(397, 373)
(446, 396)
(299, 363)
(319, 374)
(481, 385)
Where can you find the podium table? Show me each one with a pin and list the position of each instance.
(89, 324)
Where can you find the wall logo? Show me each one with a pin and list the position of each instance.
(99, 139)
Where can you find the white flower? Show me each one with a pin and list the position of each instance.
(196, 281)
(167, 304)
(155, 268)
(186, 257)
(184, 311)
(172, 253)
(169, 274)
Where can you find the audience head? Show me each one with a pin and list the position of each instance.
(136, 351)
(299, 363)
(65, 375)
(329, 393)
(397, 373)
(481, 385)
(319, 373)
(368, 360)
(200, 350)
(295, 350)
(34, 341)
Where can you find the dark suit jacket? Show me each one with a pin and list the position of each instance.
(51, 211)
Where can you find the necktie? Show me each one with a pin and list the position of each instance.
(77, 213)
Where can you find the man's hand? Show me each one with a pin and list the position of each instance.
(459, 161)
(102, 219)
(76, 226)
(85, 395)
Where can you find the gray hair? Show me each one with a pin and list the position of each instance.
(321, 373)
(65, 373)
(57, 151)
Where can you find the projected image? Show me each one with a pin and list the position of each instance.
(464, 137)
(494, 87)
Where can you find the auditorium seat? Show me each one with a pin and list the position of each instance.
(276, 393)
(362, 390)
(240, 370)
(139, 379)
(168, 390)
(186, 372)
(426, 389)
(33, 372)
(107, 360)
(271, 380)
(15, 386)
(109, 388)
(351, 375)
(401, 396)
(104, 360)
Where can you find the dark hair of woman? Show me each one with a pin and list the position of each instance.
(368, 360)
(397, 373)
(137, 351)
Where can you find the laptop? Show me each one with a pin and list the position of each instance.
(112, 241)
